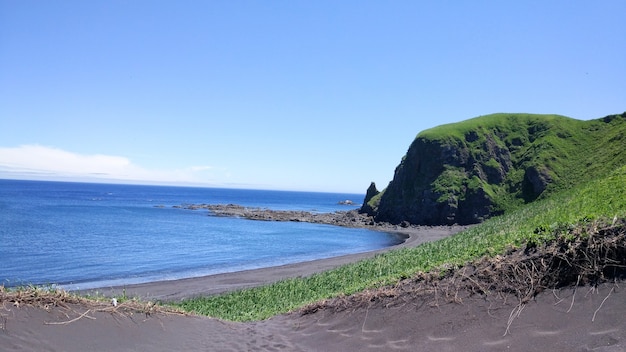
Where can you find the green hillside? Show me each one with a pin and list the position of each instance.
(468, 171)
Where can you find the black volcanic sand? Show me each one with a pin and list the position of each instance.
(585, 319)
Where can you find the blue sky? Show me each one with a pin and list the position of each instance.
(293, 95)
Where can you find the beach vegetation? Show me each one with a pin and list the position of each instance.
(49, 296)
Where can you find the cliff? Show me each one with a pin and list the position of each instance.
(466, 172)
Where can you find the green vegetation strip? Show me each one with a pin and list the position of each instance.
(605, 197)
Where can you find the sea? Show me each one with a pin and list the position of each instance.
(89, 235)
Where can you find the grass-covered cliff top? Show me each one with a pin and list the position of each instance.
(500, 121)
(575, 151)
(512, 159)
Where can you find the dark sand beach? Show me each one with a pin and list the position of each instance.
(214, 284)
(569, 319)
(594, 322)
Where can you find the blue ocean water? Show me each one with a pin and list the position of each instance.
(81, 235)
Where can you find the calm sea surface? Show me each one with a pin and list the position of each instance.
(81, 235)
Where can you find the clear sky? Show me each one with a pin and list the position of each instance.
(294, 95)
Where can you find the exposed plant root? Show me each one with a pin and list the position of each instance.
(515, 313)
(589, 254)
(601, 304)
(72, 320)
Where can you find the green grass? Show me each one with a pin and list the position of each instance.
(605, 197)
(506, 122)
(569, 151)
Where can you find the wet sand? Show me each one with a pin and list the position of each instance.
(175, 290)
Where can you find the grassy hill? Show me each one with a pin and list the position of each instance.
(468, 171)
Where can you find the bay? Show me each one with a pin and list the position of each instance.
(83, 235)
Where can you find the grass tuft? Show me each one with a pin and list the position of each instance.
(75, 306)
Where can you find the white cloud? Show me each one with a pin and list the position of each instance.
(36, 161)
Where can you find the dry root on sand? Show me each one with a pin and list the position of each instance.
(588, 254)
(74, 307)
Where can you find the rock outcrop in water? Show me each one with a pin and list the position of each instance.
(372, 192)
(351, 218)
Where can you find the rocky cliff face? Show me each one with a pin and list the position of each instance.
(443, 182)
(466, 172)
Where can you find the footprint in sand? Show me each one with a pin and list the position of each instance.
(438, 339)
(603, 332)
(496, 342)
(546, 332)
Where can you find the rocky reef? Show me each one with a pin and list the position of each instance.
(340, 218)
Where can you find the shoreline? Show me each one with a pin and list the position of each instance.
(569, 318)
(463, 311)
(179, 289)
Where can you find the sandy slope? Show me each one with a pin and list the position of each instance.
(478, 324)
(594, 322)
